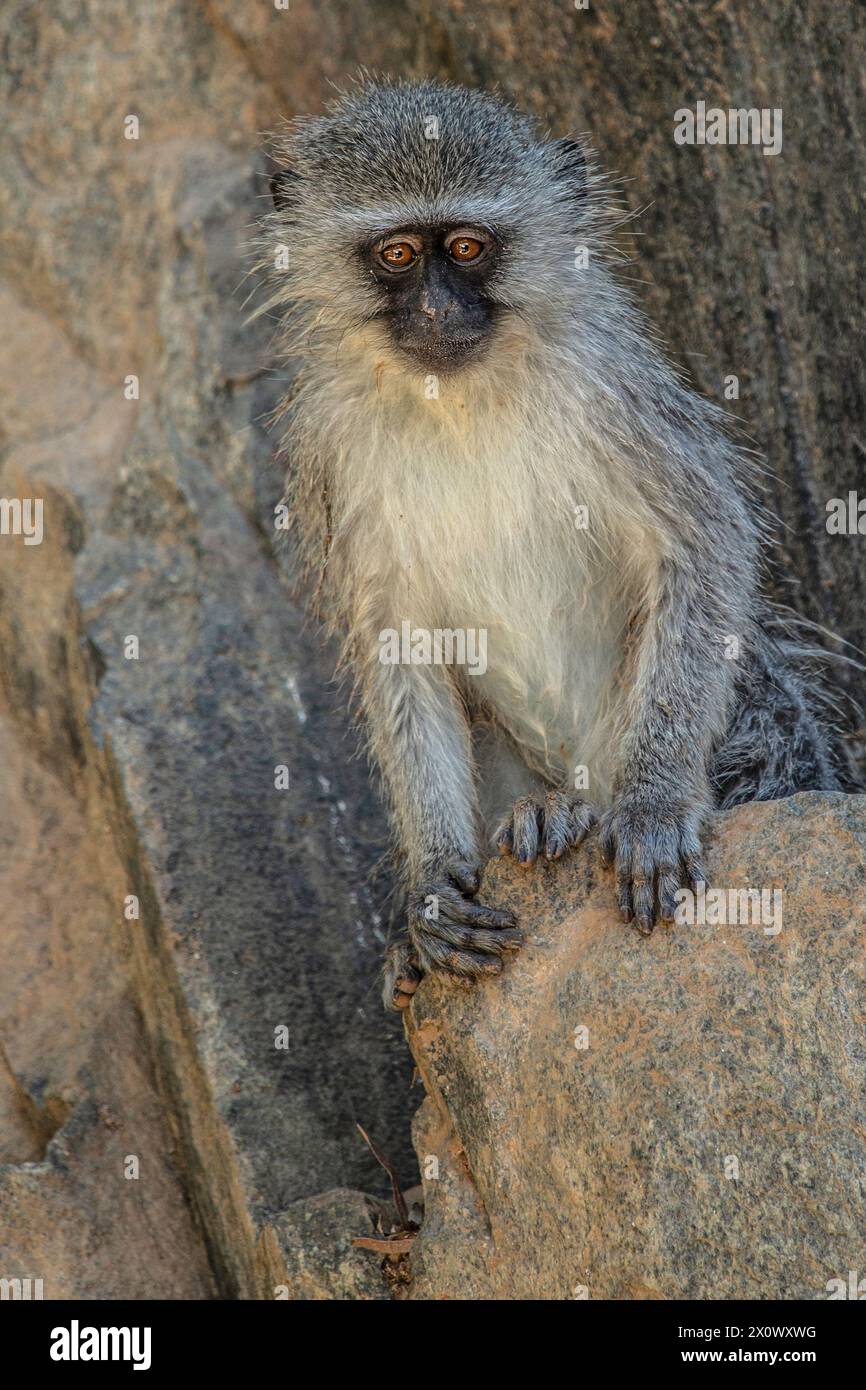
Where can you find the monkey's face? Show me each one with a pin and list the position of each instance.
(424, 226)
(433, 290)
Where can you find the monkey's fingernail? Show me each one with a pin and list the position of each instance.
(514, 943)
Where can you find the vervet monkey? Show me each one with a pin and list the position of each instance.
(485, 438)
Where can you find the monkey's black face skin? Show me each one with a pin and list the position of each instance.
(433, 284)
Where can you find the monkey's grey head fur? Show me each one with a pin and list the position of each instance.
(419, 220)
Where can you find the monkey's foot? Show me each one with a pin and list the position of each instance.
(401, 975)
(451, 932)
(548, 825)
(655, 849)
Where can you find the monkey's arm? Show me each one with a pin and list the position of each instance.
(419, 738)
(678, 706)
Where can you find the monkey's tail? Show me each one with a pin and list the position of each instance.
(784, 735)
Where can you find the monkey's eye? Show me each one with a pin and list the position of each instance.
(398, 255)
(465, 246)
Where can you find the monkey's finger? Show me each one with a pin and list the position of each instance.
(668, 886)
(623, 869)
(623, 894)
(454, 907)
(401, 975)
(559, 827)
(406, 984)
(668, 873)
(555, 845)
(399, 995)
(474, 914)
(643, 885)
(468, 964)
(643, 901)
(568, 829)
(475, 938)
(504, 837)
(525, 830)
(584, 817)
(622, 837)
(467, 876)
(690, 857)
(695, 872)
(607, 842)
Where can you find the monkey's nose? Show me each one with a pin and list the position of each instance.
(429, 310)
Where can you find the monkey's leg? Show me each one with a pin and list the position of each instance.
(419, 737)
(548, 824)
(678, 708)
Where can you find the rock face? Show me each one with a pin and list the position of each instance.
(678, 1117)
(88, 1166)
(134, 401)
(262, 909)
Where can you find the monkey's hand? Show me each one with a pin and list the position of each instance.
(447, 931)
(452, 932)
(548, 825)
(655, 847)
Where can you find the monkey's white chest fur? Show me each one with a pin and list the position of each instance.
(477, 526)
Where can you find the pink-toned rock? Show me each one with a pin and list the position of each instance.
(703, 1137)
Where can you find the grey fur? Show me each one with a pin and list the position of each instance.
(608, 645)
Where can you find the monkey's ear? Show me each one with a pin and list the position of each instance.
(570, 166)
(281, 184)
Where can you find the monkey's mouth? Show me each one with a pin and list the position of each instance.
(443, 355)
